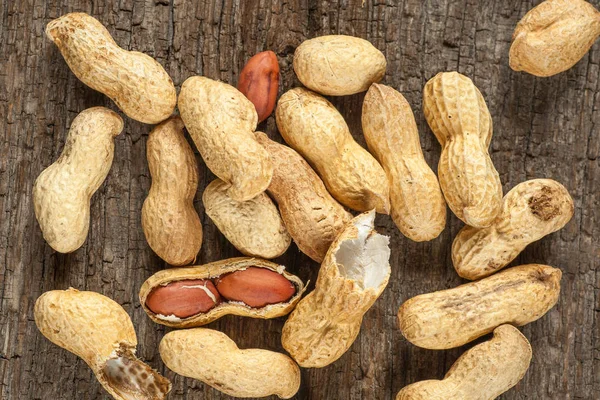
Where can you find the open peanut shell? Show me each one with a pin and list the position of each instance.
(213, 271)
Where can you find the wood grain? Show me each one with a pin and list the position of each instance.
(544, 128)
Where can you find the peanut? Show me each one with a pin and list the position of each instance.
(313, 218)
(168, 213)
(554, 36)
(338, 65)
(99, 331)
(62, 192)
(354, 273)
(254, 226)
(256, 287)
(530, 211)
(221, 121)
(313, 127)
(183, 299)
(259, 82)
(458, 116)
(483, 372)
(453, 317)
(213, 358)
(137, 83)
(417, 204)
(249, 287)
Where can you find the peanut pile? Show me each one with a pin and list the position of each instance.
(268, 194)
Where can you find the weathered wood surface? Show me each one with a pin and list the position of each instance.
(544, 128)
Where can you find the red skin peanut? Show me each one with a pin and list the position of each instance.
(259, 82)
(183, 299)
(256, 287)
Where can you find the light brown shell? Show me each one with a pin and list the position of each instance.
(530, 211)
(213, 270)
(483, 372)
(453, 317)
(554, 36)
(458, 116)
(314, 128)
(338, 65)
(213, 358)
(171, 224)
(137, 83)
(254, 226)
(313, 218)
(99, 331)
(221, 121)
(354, 273)
(62, 192)
(418, 207)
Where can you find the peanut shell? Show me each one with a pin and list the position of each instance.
(314, 128)
(338, 65)
(418, 207)
(553, 36)
(354, 273)
(458, 116)
(221, 121)
(450, 318)
(530, 211)
(313, 218)
(137, 83)
(214, 270)
(170, 222)
(99, 331)
(213, 358)
(62, 192)
(483, 372)
(254, 226)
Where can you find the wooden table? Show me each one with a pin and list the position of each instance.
(544, 128)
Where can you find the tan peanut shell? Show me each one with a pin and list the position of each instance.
(530, 211)
(458, 116)
(418, 207)
(170, 222)
(254, 226)
(213, 358)
(483, 372)
(62, 192)
(99, 331)
(214, 270)
(221, 121)
(450, 318)
(554, 36)
(338, 65)
(314, 128)
(354, 273)
(312, 217)
(137, 83)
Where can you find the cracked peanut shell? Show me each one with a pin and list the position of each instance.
(460, 120)
(530, 211)
(450, 318)
(136, 82)
(211, 271)
(170, 222)
(62, 192)
(313, 127)
(354, 273)
(312, 217)
(553, 36)
(418, 207)
(338, 65)
(483, 372)
(100, 332)
(213, 358)
(254, 226)
(221, 122)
